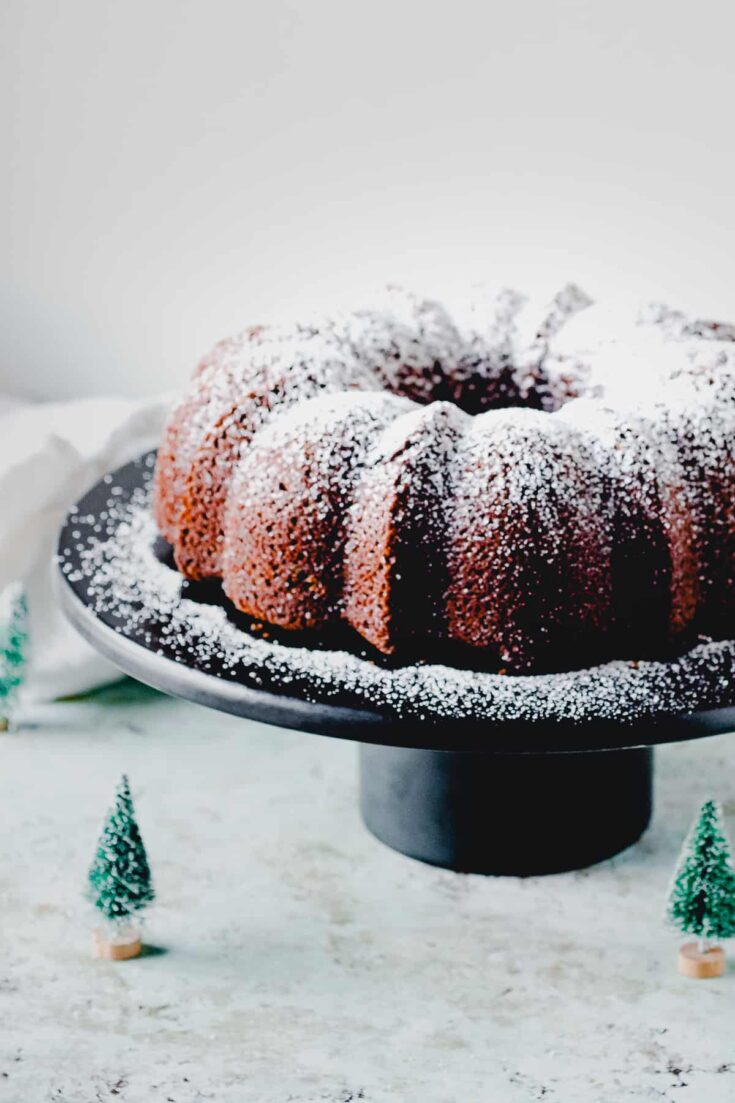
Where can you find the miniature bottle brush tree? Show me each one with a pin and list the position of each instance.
(120, 883)
(13, 652)
(702, 897)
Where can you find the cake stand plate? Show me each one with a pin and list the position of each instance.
(503, 797)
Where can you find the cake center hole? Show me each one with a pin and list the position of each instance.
(477, 389)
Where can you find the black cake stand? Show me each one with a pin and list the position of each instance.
(503, 797)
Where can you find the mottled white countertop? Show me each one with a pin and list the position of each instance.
(300, 960)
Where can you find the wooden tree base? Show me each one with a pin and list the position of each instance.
(116, 949)
(699, 964)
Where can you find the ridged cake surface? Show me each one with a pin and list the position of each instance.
(537, 488)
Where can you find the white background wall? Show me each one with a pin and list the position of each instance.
(174, 169)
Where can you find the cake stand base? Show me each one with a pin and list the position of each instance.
(516, 814)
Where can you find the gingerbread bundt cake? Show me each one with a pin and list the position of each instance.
(543, 487)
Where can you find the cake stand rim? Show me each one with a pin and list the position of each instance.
(370, 726)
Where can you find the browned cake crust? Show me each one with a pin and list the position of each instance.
(542, 493)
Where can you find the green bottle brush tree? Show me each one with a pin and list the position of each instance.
(702, 897)
(120, 885)
(13, 653)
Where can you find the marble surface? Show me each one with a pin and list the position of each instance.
(294, 958)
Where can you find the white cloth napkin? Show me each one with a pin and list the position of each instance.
(49, 455)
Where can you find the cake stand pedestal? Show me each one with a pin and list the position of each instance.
(506, 813)
(476, 796)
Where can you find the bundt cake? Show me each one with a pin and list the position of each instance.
(543, 487)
